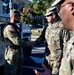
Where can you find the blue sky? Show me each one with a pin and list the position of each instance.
(30, 0)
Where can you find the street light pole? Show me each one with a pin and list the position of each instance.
(10, 4)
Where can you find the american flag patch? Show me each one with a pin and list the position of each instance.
(11, 29)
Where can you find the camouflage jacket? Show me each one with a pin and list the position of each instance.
(13, 45)
(12, 35)
(65, 35)
(53, 40)
(67, 64)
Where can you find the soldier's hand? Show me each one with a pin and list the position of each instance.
(46, 72)
(32, 44)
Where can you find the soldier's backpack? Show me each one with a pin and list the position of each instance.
(65, 68)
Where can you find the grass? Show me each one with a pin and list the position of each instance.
(36, 32)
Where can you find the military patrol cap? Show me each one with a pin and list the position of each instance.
(56, 2)
(50, 11)
(15, 12)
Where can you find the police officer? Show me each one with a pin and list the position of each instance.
(13, 43)
(66, 11)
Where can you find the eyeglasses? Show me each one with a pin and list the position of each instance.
(59, 7)
(48, 15)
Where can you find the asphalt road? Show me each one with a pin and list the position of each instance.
(34, 61)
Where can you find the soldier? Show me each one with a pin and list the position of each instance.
(66, 11)
(13, 43)
(42, 38)
(51, 35)
(53, 40)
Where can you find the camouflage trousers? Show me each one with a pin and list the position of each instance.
(13, 62)
(53, 65)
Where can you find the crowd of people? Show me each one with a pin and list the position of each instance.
(58, 35)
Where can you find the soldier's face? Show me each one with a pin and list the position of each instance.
(49, 18)
(67, 14)
(17, 19)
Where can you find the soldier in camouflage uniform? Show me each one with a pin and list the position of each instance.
(68, 59)
(50, 61)
(53, 40)
(66, 11)
(52, 37)
(13, 42)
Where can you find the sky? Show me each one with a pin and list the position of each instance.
(30, 0)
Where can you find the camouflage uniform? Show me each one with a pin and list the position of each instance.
(68, 59)
(67, 63)
(53, 39)
(13, 53)
(66, 35)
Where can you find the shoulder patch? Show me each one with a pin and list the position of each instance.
(10, 28)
